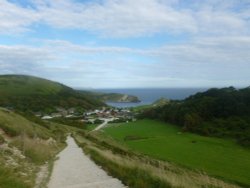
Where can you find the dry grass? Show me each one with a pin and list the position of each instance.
(16, 170)
(171, 174)
(176, 176)
(37, 150)
(21, 159)
(24, 146)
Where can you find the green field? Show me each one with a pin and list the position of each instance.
(217, 157)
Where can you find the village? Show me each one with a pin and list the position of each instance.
(110, 114)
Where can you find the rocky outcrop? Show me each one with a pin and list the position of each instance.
(116, 97)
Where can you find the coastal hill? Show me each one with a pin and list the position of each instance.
(216, 112)
(112, 97)
(160, 102)
(28, 93)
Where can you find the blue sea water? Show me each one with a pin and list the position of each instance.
(148, 96)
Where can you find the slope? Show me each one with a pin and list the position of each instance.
(111, 97)
(25, 146)
(28, 93)
(217, 112)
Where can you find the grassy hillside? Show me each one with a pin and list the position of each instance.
(112, 97)
(217, 112)
(217, 157)
(28, 85)
(15, 125)
(25, 146)
(156, 104)
(137, 170)
(17, 129)
(35, 94)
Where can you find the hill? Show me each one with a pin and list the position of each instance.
(28, 93)
(217, 112)
(112, 97)
(160, 102)
(25, 147)
(156, 104)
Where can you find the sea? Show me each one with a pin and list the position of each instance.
(149, 95)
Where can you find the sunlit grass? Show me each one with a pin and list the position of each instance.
(217, 157)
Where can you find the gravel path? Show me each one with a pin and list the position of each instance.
(75, 170)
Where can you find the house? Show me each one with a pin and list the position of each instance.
(56, 115)
(97, 111)
(46, 117)
(71, 110)
(62, 111)
(38, 114)
(69, 116)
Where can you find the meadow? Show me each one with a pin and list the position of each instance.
(217, 157)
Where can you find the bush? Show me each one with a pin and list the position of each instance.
(98, 121)
(70, 122)
(245, 139)
(9, 130)
(9, 180)
(1, 140)
(36, 150)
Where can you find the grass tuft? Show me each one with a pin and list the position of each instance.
(35, 149)
(130, 176)
(9, 180)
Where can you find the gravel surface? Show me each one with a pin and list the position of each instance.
(74, 169)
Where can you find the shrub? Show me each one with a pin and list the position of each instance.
(36, 150)
(9, 180)
(9, 130)
(1, 140)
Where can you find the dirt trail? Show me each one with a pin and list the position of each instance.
(75, 170)
(102, 125)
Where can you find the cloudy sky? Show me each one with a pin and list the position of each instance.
(128, 43)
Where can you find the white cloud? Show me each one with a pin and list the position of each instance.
(216, 54)
(224, 50)
(23, 59)
(15, 19)
(66, 46)
(201, 62)
(130, 18)
(115, 18)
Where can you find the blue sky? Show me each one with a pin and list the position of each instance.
(128, 43)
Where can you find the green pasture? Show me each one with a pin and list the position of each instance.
(217, 157)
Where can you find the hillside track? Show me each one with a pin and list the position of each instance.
(74, 169)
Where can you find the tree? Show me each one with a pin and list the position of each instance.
(192, 121)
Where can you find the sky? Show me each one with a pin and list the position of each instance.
(128, 43)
